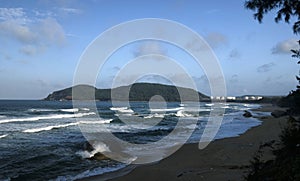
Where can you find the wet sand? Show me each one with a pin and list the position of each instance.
(224, 159)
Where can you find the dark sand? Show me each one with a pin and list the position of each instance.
(225, 159)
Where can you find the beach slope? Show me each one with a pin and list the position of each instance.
(225, 159)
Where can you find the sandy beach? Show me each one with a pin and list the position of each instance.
(224, 159)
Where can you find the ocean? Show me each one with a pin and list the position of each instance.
(43, 140)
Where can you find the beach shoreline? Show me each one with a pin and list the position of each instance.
(223, 159)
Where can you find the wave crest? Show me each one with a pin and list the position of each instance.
(48, 128)
(53, 116)
(3, 136)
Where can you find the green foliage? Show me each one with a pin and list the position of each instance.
(292, 101)
(290, 136)
(258, 168)
(286, 165)
(296, 54)
(285, 10)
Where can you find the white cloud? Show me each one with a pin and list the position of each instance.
(43, 14)
(11, 13)
(20, 32)
(52, 31)
(285, 47)
(34, 33)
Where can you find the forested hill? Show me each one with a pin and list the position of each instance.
(137, 92)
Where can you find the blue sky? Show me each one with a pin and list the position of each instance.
(42, 41)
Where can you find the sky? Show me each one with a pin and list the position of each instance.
(42, 42)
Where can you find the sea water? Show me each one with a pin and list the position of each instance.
(42, 140)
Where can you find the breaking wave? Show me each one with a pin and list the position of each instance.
(98, 148)
(48, 128)
(156, 115)
(54, 116)
(121, 109)
(35, 130)
(71, 110)
(3, 136)
(181, 113)
(166, 110)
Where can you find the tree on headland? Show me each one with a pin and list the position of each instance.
(296, 54)
(286, 9)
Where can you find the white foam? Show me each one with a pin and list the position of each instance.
(181, 105)
(98, 148)
(204, 110)
(156, 115)
(89, 173)
(181, 113)
(122, 109)
(63, 110)
(117, 108)
(119, 115)
(252, 106)
(96, 122)
(70, 110)
(41, 110)
(126, 111)
(54, 116)
(191, 126)
(165, 110)
(35, 130)
(209, 104)
(149, 116)
(3, 136)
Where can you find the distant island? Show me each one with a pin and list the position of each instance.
(138, 92)
(144, 92)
